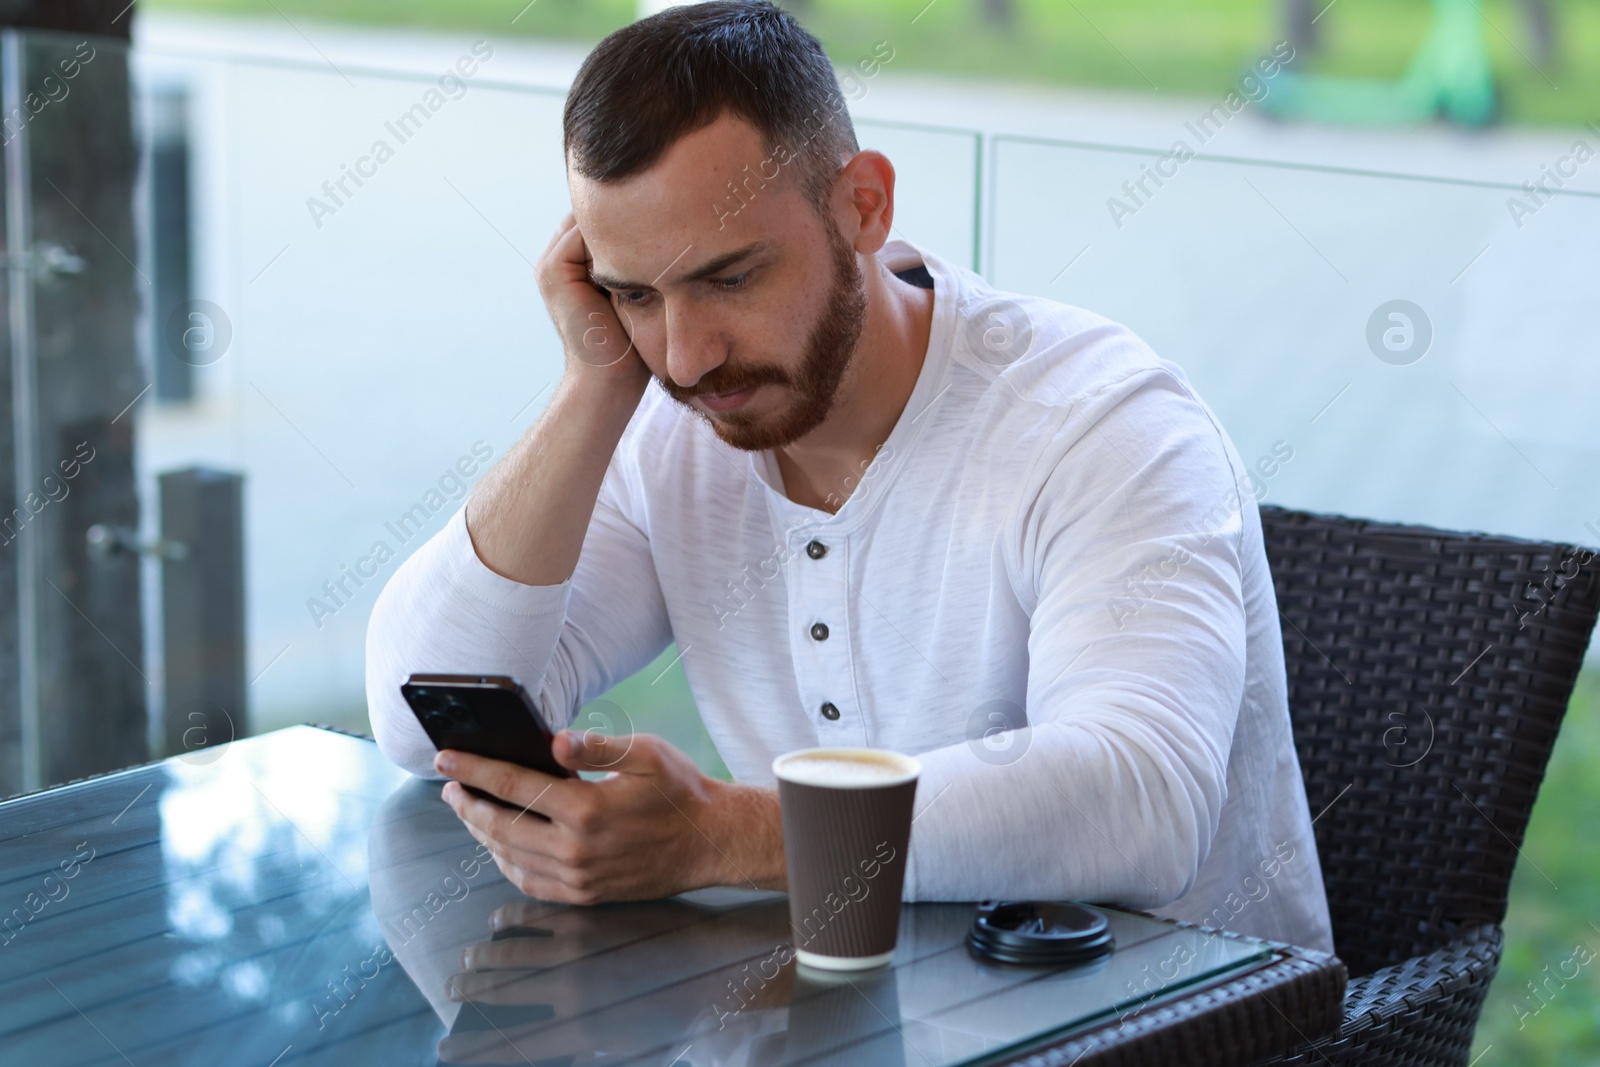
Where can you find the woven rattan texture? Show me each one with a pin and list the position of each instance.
(1417, 1013)
(1428, 673)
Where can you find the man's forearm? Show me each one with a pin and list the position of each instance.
(529, 514)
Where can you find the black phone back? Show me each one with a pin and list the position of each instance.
(486, 715)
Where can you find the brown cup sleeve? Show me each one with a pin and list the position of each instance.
(846, 856)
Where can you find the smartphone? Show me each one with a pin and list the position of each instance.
(484, 714)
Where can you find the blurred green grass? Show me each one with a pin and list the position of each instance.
(1555, 907)
(1184, 46)
(656, 701)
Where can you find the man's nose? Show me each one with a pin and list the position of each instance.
(692, 350)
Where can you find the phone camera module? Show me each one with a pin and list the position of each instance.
(452, 715)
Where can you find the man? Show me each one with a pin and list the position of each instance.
(874, 502)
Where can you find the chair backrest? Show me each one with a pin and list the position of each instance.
(1428, 673)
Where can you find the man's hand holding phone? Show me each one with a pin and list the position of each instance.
(653, 827)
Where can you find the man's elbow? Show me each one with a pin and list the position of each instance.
(400, 737)
(1166, 865)
(402, 747)
(1156, 881)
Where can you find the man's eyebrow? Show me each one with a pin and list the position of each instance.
(705, 270)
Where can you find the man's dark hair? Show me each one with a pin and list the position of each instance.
(666, 76)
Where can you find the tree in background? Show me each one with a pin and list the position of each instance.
(1542, 24)
(1001, 13)
(1300, 25)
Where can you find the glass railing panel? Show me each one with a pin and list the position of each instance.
(1419, 343)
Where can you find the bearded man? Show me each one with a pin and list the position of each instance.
(875, 502)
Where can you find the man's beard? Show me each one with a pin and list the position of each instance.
(829, 349)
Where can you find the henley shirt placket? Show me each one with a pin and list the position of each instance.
(819, 635)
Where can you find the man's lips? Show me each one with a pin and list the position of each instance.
(727, 401)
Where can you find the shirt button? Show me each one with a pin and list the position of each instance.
(830, 712)
(816, 550)
(819, 631)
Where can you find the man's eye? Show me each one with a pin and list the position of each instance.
(631, 297)
(728, 285)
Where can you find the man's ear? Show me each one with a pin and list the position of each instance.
(864, 201)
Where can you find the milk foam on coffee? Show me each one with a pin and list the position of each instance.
(846, 768)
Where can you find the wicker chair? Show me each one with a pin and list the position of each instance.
(1428, 674)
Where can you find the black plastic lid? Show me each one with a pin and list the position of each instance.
(1037, 932)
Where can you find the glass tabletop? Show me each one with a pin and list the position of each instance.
(295, 899)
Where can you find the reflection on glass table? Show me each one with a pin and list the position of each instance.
(294, 899)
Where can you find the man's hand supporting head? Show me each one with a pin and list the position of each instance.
(653, 827)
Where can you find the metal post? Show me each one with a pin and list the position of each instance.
(202, 608)
(169, 238)
(24, 402)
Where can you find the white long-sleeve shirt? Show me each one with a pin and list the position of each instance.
(1057, 537)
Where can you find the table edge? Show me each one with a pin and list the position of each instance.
(1268, 1010)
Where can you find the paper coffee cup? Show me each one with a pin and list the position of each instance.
(846, 827)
